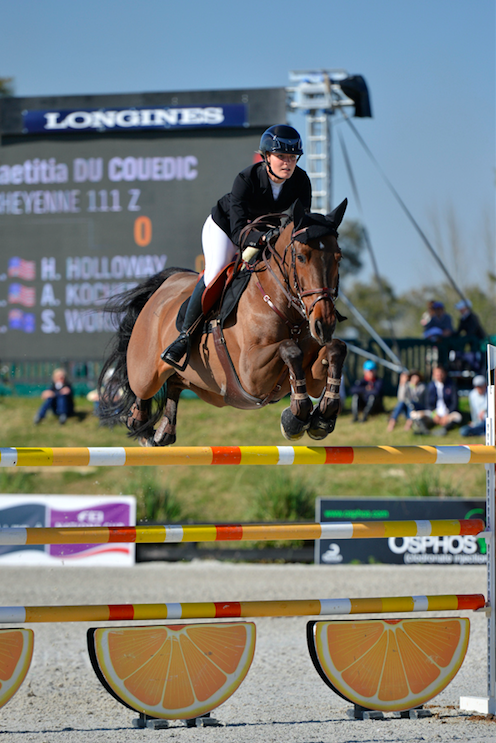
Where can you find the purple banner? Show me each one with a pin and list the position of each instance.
(103, 514)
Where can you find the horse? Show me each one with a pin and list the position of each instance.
(277, 339)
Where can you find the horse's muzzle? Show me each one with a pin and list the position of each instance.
(322, 330)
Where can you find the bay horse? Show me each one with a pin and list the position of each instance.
(278, 339)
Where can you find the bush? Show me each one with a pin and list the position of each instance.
(154, 503)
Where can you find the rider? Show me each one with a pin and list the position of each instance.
(271, 185)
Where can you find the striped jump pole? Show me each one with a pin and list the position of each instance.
(244, 455)
(231, 609)
(239, 532)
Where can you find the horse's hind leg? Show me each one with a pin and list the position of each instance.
(165, 435)
(137, 419)
(296, 419)
(326, 411)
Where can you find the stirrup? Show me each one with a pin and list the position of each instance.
(169, 359)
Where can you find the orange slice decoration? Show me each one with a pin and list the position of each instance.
(16, 651)
(388, 664)
(173, 672)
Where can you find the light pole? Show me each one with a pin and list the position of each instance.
(318, 94)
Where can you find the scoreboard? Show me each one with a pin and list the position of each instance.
(97, 193)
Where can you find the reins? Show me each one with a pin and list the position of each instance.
(295, 295)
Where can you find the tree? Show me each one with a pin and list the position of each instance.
(370, 299)
(6, 87)
(352, 243)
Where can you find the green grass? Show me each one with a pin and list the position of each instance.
(230, 493)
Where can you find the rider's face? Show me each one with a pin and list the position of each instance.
(282, 165)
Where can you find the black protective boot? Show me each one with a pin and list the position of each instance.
(182, 345)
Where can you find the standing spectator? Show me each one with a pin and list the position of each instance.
(442, 405)
(411, 393)
(477, 399)
(367, 393)
(440, 325)
(469, 322)
(58, 398)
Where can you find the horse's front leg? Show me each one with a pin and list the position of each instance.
(296, 419)
(324, 416)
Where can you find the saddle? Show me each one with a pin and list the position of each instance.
(221, 297)
(219, 301)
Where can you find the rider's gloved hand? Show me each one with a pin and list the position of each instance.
(271, 235)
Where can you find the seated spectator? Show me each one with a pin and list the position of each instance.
(366, 393)
(94, 397)
(428, 314)
(440, 324)
(411, 392)
(58, 398)
(441, 405)
(469, 322)
(477, 399)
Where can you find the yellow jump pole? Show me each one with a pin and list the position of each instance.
(175, 533)
(236, 455)
(211, 610)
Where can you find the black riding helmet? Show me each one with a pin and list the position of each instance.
(281, 138)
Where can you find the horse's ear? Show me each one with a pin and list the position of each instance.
(298, 212)
(337, 214)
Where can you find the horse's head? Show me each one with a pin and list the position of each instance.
(314, 269)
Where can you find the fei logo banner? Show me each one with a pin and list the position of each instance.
(68, 511)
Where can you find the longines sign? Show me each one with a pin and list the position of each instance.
(119, 119)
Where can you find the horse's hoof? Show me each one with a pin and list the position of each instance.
(292, 428)
(166, 440)
(147, 441)
(320, 428)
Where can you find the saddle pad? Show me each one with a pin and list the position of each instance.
(233, 293)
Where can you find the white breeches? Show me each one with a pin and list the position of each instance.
(217, 249)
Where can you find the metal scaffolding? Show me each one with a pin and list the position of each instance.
(318, 93)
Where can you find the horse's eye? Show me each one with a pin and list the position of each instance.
(301, 258)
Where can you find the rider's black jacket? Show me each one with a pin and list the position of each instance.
(251, 197)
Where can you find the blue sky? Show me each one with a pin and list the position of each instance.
(429, 66)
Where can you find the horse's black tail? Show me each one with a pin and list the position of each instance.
(116, 396)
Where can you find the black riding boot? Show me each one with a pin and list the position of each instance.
(182, 345)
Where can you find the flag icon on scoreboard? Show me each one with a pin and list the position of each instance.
(20, 294)
(20, 269)
(20, 320)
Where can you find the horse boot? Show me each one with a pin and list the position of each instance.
(182, 345)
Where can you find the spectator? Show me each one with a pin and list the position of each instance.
(94, 397)
(411, 393)
(442, 405)
(477, 399)
(366, 393)
(58, 398)
(440, 325)
(469, 322)
(428, 314)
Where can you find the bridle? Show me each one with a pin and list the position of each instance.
(295, 294)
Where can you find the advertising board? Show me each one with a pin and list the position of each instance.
(67, 511)
(451, 550)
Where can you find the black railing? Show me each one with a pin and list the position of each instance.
(463, 357)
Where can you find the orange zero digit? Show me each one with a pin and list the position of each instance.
(142, 231)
